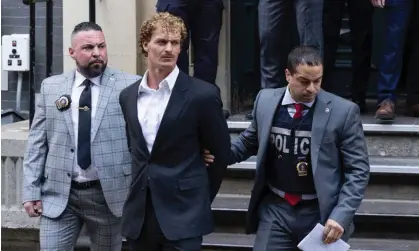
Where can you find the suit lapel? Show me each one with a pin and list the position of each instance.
(132, 112)
(66, 89)
(320, 118)
(269, 108)
(175, 105)
(105, 91)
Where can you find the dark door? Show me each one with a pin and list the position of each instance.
(244, 49)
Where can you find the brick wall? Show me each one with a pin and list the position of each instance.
(15, 19)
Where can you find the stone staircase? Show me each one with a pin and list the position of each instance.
(388, 219)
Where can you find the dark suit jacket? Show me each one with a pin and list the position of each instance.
(339, 155)
(181, 186)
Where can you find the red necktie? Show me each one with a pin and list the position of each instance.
(298, 110)
(293, 199)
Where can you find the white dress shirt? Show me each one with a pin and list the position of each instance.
(151, 105)
(288, 101)
(90, 173)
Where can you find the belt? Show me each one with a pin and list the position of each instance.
(282, 194)
(84, 185)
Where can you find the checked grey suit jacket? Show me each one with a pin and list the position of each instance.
(339, 155)
(49, 159)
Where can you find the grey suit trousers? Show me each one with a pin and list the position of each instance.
(282, 226)
(85, 206)
(276, 29)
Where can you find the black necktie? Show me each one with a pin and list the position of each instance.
(85, 111)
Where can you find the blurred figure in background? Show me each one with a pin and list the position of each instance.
(397, 13)
(203, 20)
(360, 23)
(276, 29)
(412, 80)
(275, 17)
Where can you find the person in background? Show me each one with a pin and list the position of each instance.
(412, 80)
(203, 20)
(276, 30)
(397, 14)
(360, 23)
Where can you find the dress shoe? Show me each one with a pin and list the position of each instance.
(385, 111)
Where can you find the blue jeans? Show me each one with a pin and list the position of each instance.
(397, 15)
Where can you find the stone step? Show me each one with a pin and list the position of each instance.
(391, 178)
(369, 207)
(215, 241)
(389, 145)
(378, 165)
(239, 242)
(401, 126)
(390, 190)
(375, 217)
(398, 139)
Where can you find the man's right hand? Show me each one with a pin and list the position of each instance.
(208, 158)
(33, 208)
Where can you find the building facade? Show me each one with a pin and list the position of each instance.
(120, 21)
(15, 20)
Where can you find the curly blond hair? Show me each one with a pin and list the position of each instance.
(167, 22)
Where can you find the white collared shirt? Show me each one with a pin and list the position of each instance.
(90, 173)
(288, 101)
(151, 105)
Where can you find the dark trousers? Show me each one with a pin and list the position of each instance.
(153, 239)
(276, 26)
(203, 19)
(397, 13)
(360, 22)
(282, 226)
(412, 79)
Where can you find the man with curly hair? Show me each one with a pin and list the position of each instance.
(169, 117)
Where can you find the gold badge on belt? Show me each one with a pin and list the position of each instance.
(302, 167)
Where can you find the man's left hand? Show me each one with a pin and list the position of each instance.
(332, 231)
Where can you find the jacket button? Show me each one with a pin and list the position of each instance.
(72, 150)
(68, 174)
